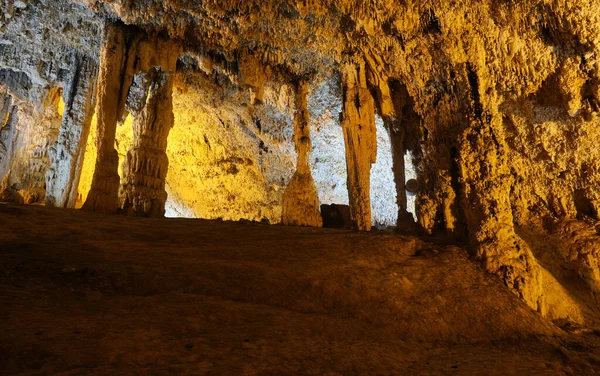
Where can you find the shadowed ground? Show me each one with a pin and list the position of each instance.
(82, 293)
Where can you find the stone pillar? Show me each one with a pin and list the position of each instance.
(397, 126)
(145, 169)
(66, 155)
(358, 123)
(103, 195)
(300, 199)
(397, 140)
(485, 197)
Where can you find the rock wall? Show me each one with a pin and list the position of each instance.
(230, 158)
(48, 61)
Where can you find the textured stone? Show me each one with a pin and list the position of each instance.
(66, 155)
(300, 200)
(358, 123)
(103, 195)
(142, 190)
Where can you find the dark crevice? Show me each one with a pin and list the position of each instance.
(583, 205)
(474, 84)
(430, 24)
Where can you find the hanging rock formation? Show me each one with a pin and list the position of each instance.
(142, 189)
(403, 128)
(300, 200)
(103, 195)
(358, 123)
(126, 51)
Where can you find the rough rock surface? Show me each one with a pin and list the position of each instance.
(142, 190)
(300, 200)
(358, 123)
(45, 49)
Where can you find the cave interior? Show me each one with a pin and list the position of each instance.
(299, 187)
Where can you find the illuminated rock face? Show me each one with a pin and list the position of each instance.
(25, 178)
(498, 103)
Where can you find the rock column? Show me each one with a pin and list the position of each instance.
(358, 124)
(66, 155)
(103, 195)
(300, 200)
(145, 169)
(397, 126)
(486, 183)
(399, 169)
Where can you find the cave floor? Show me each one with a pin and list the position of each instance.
(83, 293)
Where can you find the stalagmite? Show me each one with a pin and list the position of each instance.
(103, 195)
(142, 189)
(66, 155)
(486, 204)
(397, 127)
(358, 123)
(485, 198)
(300, 201)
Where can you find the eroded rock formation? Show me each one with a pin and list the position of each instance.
(300, 200)
(67, 153)
(143, 184)
(125, 53)
(103, 195)
(25, 179)
(358, 123)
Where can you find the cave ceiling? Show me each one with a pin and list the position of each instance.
(423, 44)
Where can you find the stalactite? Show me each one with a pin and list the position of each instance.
(300, 201)
(358, 123)
(66, 155)
(142, 189)
(253, 74)
(397, 127)
(103, 195)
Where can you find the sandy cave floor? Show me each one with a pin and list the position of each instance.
(83, 293)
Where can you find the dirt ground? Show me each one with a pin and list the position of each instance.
(83, 293)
